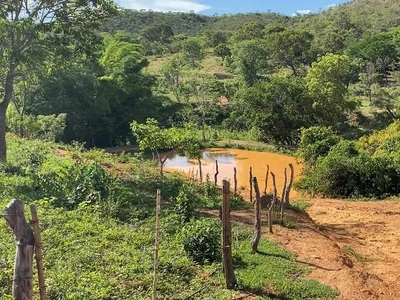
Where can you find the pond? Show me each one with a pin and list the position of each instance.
(228, 159)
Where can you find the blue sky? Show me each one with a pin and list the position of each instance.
(210, 7)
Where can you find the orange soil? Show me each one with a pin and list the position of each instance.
(354, 247)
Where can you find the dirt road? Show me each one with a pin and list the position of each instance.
(354, 247)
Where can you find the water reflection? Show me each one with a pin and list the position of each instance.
(242, 160)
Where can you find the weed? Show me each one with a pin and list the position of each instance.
(360, 257)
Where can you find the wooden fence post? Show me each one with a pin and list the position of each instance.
(283, 203)
(227, 262)
(266, 180)
(216, 173)
(38, 252)
(251, 184)
(257, 217)
(235, 180)
(289, 185)
(156, 243)
(25, 240)
(271, 207)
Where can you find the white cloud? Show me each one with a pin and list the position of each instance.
(164, 5)
(302, 12)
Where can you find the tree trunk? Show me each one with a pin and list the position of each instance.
(3, 146)
(22, 285)
(257, 217)
(8, 93)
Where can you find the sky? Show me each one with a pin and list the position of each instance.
(211, 7)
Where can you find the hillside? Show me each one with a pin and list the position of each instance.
(367, 16)
(133, 21)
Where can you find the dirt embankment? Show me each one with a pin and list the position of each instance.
(354, 247)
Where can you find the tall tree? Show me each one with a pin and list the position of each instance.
(327, 82)
(31, 29)
(249, 59)
(290, 48)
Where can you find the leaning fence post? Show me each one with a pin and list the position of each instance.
(227, 262)
(38, 252)
(257, 217)
(25, 240)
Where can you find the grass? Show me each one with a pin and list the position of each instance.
(360, 257)
(299, 206)
(101, 247)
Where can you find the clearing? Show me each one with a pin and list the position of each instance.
(354, 247)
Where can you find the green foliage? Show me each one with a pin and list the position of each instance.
(109, 258)
(201, 240)
(290, 48)
(249, 60)
(327, 82)
(248, 31)
(222, 51)
(366, 168)
(277, 109)
(316, 142)
(185, 203)
(192, 52)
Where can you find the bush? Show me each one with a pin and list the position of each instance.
(201, 240)
(185, 202)
(314, 143)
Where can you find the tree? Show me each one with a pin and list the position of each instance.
(151, 136)
(160, 33)
(290, 48)
(172, 77)
(380, 50)
(206, 90)
(248, 31)
(277, 109)
(249, 59)
(222, 51)
(327, 82)
(215, 38)
(192, 52)
(31, 29)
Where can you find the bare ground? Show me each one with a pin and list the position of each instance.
(354, 247)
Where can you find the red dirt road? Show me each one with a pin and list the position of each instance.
(354, 247)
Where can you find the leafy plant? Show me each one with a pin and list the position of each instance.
(201, 240)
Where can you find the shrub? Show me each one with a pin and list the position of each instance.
(316, 142)
(185, 202)
(201, 240)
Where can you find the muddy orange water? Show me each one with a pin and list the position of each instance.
(228, 159)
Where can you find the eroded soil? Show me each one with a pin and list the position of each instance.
(354, 247)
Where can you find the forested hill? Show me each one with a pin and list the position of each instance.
(365, 16)
(191, 24)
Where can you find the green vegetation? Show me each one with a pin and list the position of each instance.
(97, 218)
(367, 167)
